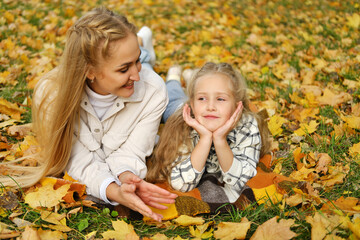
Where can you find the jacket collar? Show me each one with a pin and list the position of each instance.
(119, 103)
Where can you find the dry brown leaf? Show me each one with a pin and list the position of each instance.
(273, 230)
(232, 230)
(19, 130)
(30, 234)
(51, 235)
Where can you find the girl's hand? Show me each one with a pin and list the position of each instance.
(223, 131)
(192, 122)
(125, 195)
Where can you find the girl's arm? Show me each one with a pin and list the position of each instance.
(246, 153)
(222, 148)
(201, 151)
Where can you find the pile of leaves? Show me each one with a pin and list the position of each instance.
(301, 60)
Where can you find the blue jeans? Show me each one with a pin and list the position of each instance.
(176, 94)
(145, 58)
(177, 98)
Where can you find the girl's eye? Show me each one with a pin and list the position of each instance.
(221, 99)
(201, 98)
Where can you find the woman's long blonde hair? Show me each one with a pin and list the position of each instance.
(175, 136)
(56, 106)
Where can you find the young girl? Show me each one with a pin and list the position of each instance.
(97, 114)
(213, 135)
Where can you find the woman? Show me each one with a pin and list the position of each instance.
(97, 114)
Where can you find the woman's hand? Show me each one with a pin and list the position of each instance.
(153, 195)
(126, 195)
(222, 132)
(192, 122)
(150, 194)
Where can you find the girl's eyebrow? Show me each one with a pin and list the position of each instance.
(128, 63)
(203, 92)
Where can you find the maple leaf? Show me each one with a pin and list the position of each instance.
(232, 230)
(46, 196)
(273, 230)
(355, 151)
(322, 224)
(306, 128)
(333, 99)
(353, 20)
(275, 124)
(122, 231)
(199, 231)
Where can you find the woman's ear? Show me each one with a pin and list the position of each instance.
(90, 73)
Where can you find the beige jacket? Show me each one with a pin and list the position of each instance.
(121, 141)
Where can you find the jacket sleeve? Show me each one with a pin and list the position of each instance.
(88, 168)
(184, 177)
(139, 144)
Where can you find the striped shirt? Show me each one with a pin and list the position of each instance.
(245, 143)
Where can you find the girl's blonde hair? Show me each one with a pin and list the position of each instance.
(175, 140)
(56, 107)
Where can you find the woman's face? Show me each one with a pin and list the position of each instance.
(117, 74)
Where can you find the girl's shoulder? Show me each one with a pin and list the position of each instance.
(247, 121)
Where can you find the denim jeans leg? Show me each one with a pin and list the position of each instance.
(177, 98)
(145, 58)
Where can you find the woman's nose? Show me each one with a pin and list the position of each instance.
(134, 74)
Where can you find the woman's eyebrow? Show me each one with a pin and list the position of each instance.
(128, 63)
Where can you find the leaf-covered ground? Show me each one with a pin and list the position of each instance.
(302, 63)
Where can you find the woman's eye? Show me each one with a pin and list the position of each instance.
(123, 70)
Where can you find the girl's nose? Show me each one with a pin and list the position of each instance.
(211, 105)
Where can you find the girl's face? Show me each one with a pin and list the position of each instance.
(213, 102)
(117, 74)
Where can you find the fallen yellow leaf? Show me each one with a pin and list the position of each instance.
(273, 230)
(46, 196)
(275, 124)
(122, 231)
(200, 231)
(263, 195)
(232, 230)
(185, 220)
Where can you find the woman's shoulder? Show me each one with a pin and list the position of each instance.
(152, 79)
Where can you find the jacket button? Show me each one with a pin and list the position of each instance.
(85, 103)
(228, 180)
(96, 130)
(118, 104)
